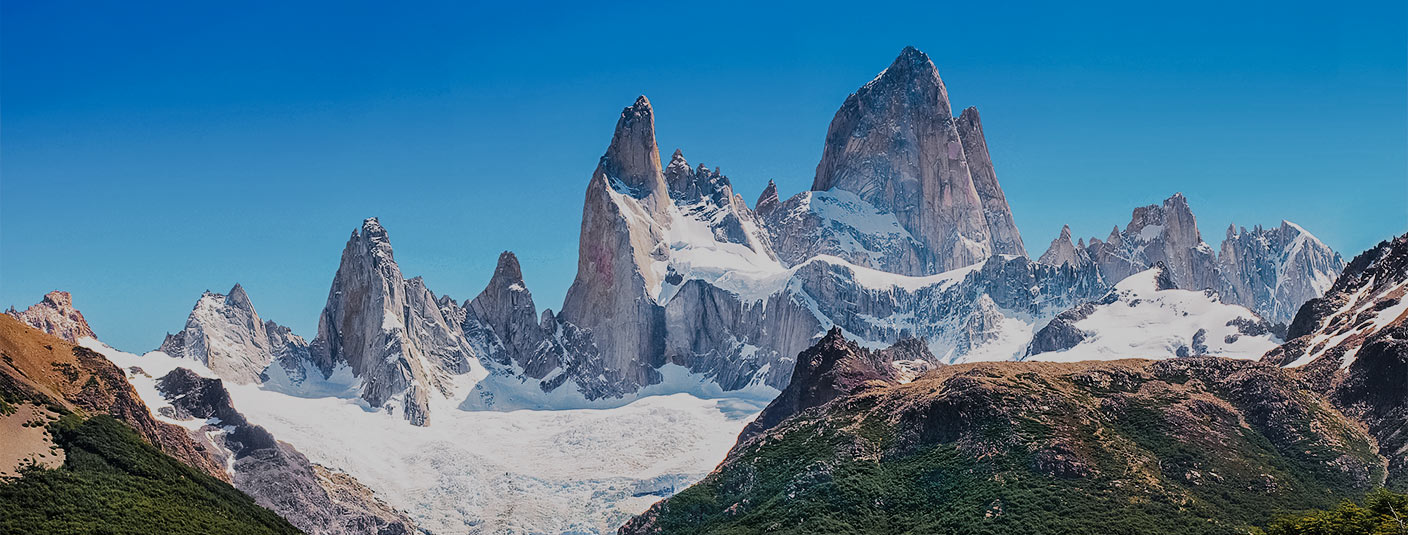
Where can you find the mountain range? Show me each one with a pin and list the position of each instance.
(905, 233)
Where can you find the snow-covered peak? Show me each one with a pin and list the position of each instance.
(1143, 317)
(225, 333)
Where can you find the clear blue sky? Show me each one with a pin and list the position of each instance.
(150, 151)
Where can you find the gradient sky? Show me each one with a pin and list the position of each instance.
(148, 153)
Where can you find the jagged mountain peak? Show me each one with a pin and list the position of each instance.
(508, 269)
(239, 298)
(910, 65)
(371, 227)
(1062, 251)
(225, 333)
(1002, 229)
(895, 144)
(55, 315)
(633, 157)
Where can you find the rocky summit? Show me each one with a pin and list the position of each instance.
(55, 315)
(895, 144)
(388, 330)
(225, 333)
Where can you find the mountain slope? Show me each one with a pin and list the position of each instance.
(1197, 445)
(113, 479)
(895, 144)
(54, 372)
(274, 473)
(114, 482)
(1352, 344)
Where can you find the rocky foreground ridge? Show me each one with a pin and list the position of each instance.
(1191, 445)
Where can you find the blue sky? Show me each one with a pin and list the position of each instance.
(150, 151)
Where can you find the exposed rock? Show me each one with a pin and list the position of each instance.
(838, 223)
(388, 330)
(707, 196)
(894, 143)
(1165, 233)
(1062, 251)
(1274, 271)
(768, 201)
(1352, 344)
(1271, 272)
(832, 368)
(1061, 333)
(623, 219)
(1001, 228)
(633, 159)
(225, 334)
(506, 306)
(55, 315)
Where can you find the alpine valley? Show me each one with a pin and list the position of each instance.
(879, 354)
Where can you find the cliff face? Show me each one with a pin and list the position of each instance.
(1001, 228)
(623, 221)
(390, 331)
(895, 144)
(225, 333)
(1274, 271)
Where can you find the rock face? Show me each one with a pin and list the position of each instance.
(1274, 271)
(55, 315)
(1370, 295)
(942, 454)
(225, 334)
(895, 144)
(622, 237)
(275, 474)
(707, 197)
(1062, 251)
(1001, 228)
(506, 307)
(390, 331)
(1165, 233)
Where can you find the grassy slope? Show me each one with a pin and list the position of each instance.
(114, 482)
(1041, 453)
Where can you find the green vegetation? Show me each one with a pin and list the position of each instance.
(1383, 513)
(113, 482)
(1172, 463)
